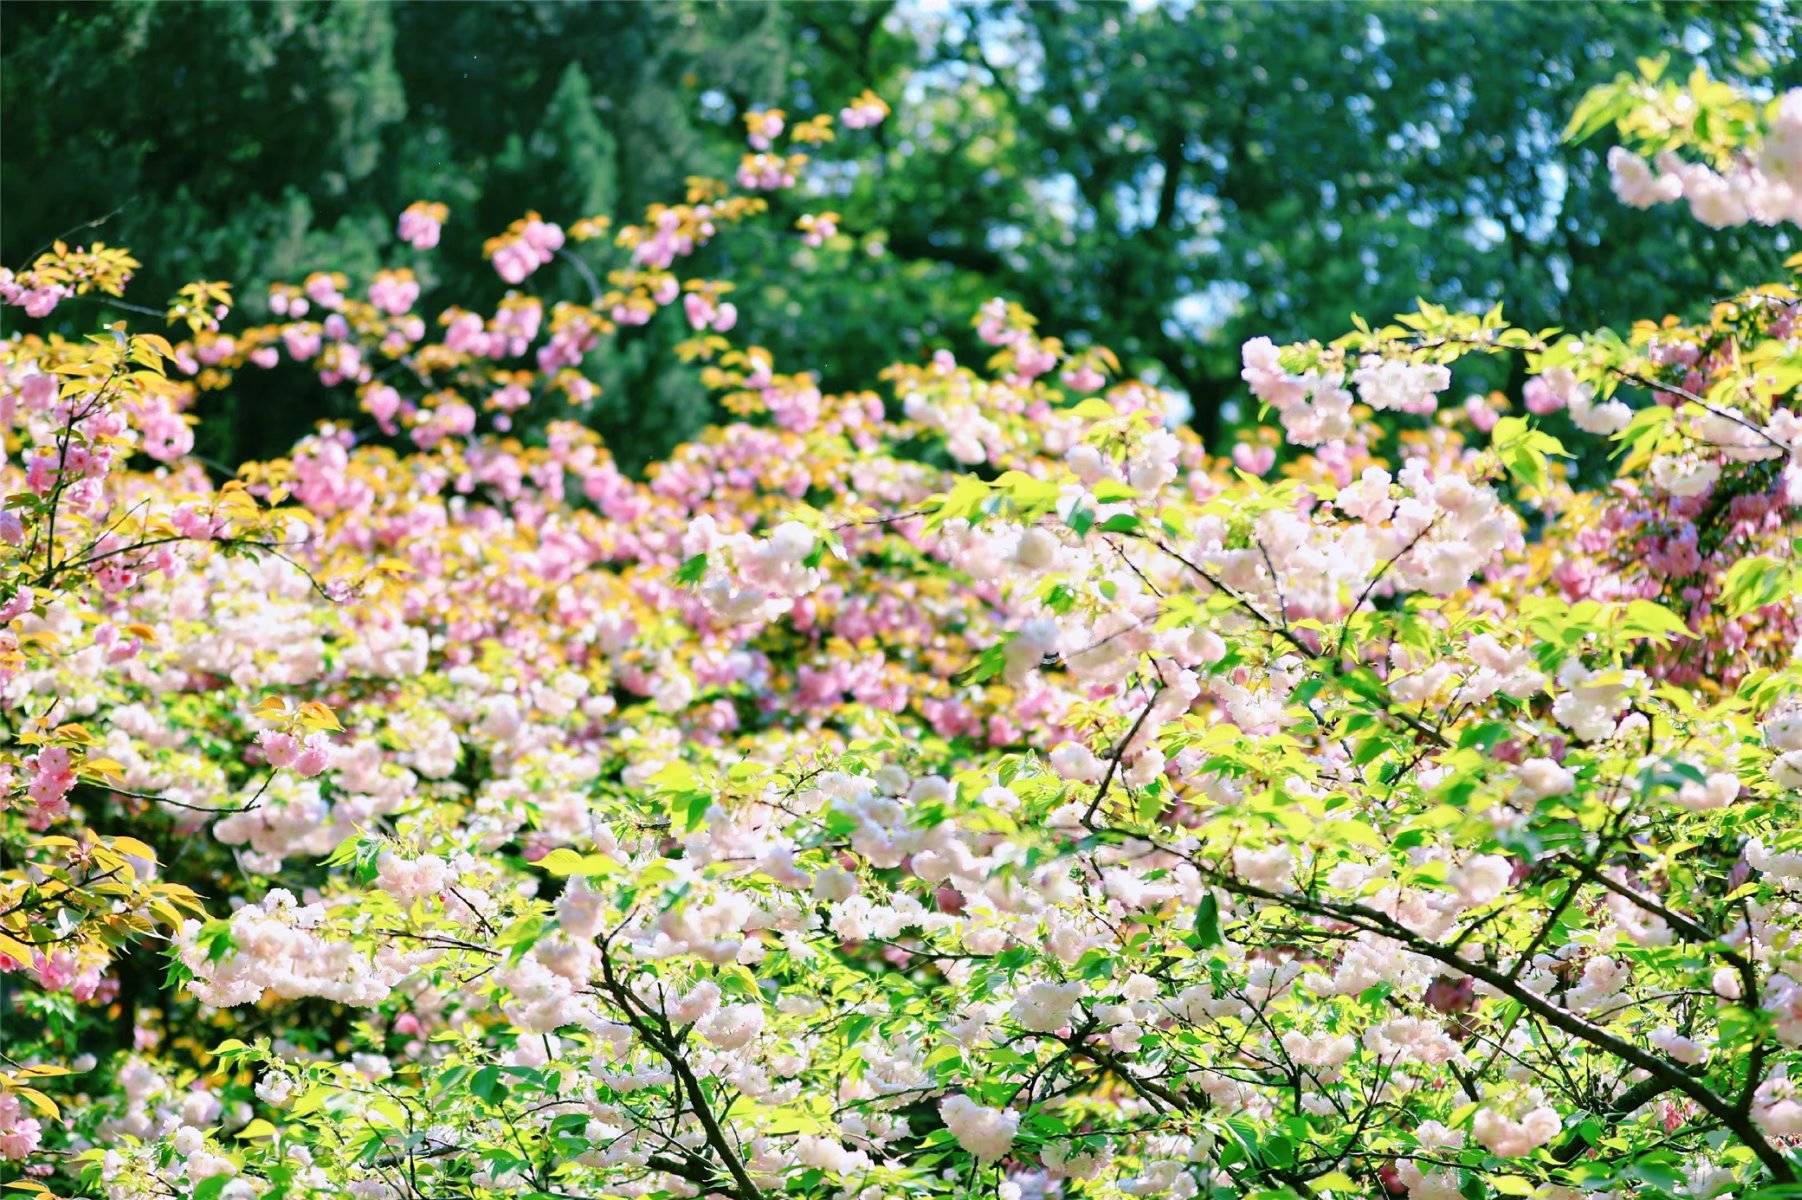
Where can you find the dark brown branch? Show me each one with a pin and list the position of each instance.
(1667, 1072)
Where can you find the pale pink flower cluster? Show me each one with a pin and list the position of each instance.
(19, 1134)
(1717, 790)
(1777, 1104)
(1438, 532)
(1683, 1049)
(1785, 865)
(669, 240)
(278, 946)
(1763, 187)
(51, 776)
(1602, 980)
(732, 1026)
(1394, 384)
(535, 246)
(766, 172)
(863, 114)
(408, 879)
(1783, 733)
(1635, 183)
(1314, 407)
(1254, 460)
(1046, 1007)
(1412, 1039)
(394, 292)
(987, 1133)
(1590, 703)
(1501, 671)
(752, 579)
(79, 442)
(37, 299)
(581, 912)
(705, 313)
(1728, 431)
(1543, 777)
(1562, 389)
(306, 756)
(1684, 475)
(1510, 1138)
(419, 226)
(1431, 1183)
(508, 334)
(1322, 1051)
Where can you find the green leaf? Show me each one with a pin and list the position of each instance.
(309, 1101)
(216, 936)
(1108, 491)
(1601, 107)
(674, 777)
(1659, 1170)
(1306, 691)
(694, 812)
(1647, 425)
(521, 936)
(1507, 432)
(1151, 803)
(1031, 496)
(965, 502)
(345, 853)
(564, 861)
(485, 1083)
(1207, 922)
(1752, 583)
(988, 664)
(1366, 684)
(1122, 523)
(1354, 833)
(1523, 451)
(692, 571)
(1652, 621)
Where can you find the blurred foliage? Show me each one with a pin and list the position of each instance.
(1167, 180)
(259, 142)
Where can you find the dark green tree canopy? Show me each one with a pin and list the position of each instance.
(1166, 179)
(1173, 179)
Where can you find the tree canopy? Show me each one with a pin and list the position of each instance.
(961, 780)
(1163, 179)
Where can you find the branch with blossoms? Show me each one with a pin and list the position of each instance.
(1734, 156)
(812, 818)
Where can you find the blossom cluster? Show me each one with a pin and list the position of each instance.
(969, 785)
(1732, 160)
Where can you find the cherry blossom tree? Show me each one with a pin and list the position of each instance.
(971, 787)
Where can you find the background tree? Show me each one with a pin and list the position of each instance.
(1166, 180)
(490, 108)
(1173, 179)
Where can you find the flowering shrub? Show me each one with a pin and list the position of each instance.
(971, 788)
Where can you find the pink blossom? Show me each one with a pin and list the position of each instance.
(1540, 398)
(418, 227)
(1256, 460)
